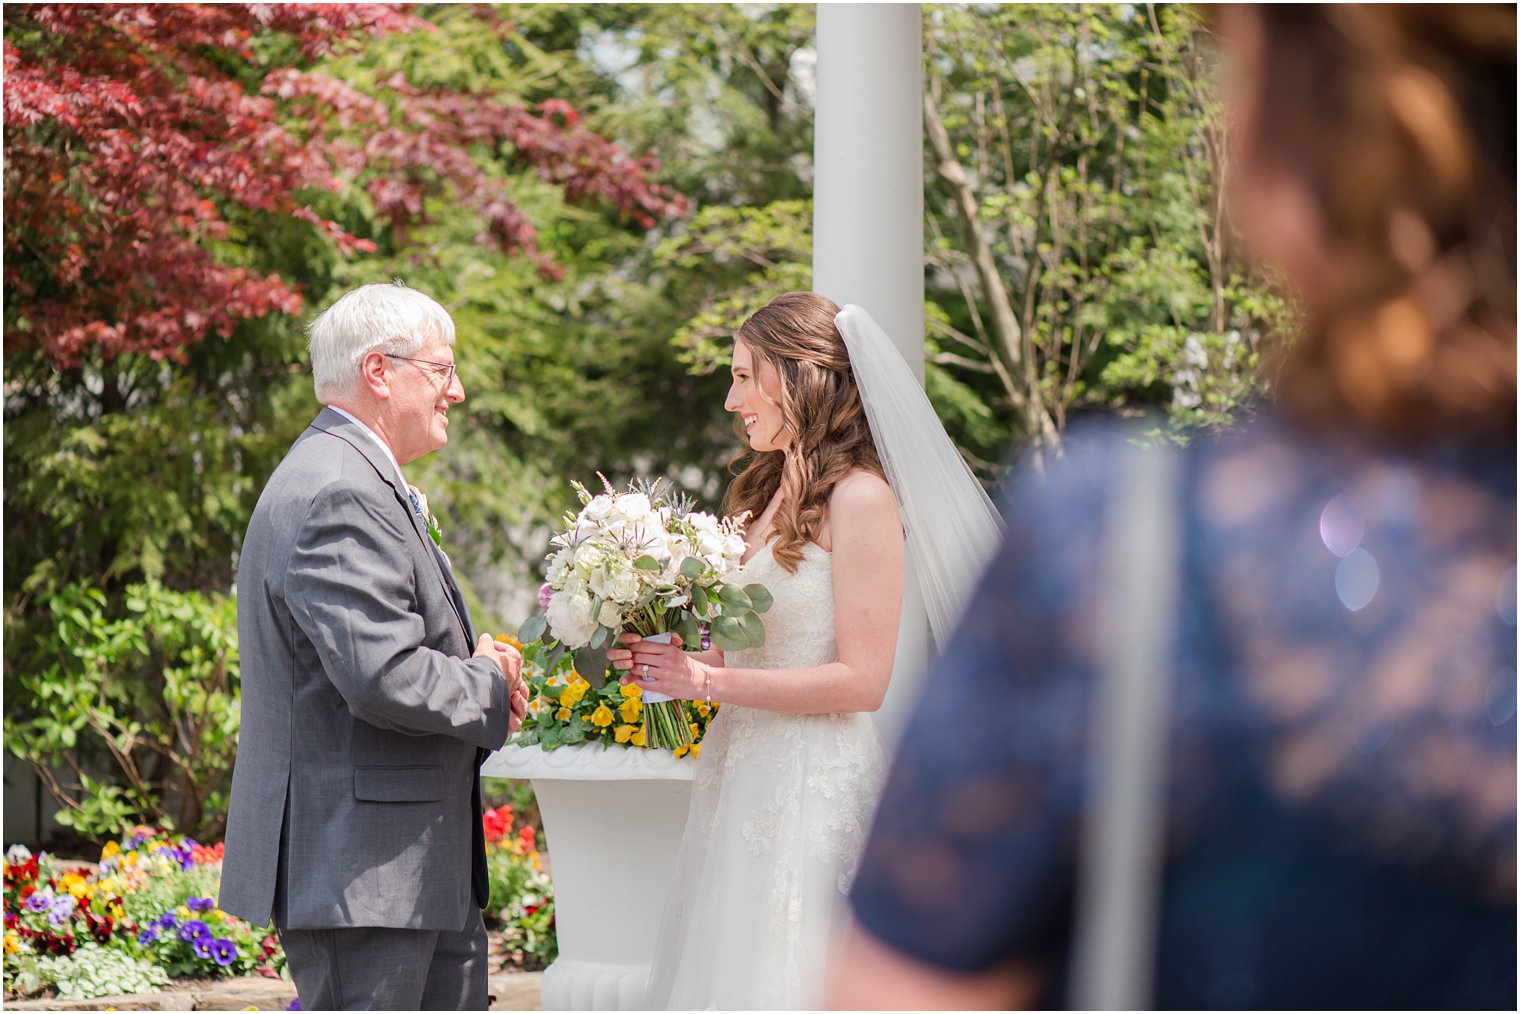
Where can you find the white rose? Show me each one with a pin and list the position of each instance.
(614, 580)
(570, 619)
(597, 509)
(710, 544)
(633, 506)
(609, 616)
(702, 522)
(623, 587)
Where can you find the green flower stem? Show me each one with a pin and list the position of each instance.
(667, 726)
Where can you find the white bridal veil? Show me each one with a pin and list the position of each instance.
(952, 527)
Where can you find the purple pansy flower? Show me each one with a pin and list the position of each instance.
(295, 1004)
(39, 902)
(224, 952)
(194, 930)
(200, 904)
(201, 946)
(147, 936)
(168, 921)
(61, 910)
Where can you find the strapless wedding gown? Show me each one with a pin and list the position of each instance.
(780, 807)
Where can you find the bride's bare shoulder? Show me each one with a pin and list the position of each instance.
(861, 503)
(862, 490)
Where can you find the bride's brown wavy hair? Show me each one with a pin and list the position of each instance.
(821, 413)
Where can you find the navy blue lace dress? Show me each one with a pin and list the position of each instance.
(1341, 793)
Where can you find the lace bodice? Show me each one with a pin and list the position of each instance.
(799, 627)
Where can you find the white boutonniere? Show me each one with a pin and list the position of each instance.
(420, 502)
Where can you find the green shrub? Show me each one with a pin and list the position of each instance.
(139, 702)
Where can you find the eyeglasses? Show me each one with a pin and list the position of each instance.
(448, 368)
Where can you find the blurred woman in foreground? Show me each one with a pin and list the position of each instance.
(1337, 824)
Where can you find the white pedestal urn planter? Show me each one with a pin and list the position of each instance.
(613, 818)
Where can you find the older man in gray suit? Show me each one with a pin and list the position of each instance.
(355, 814)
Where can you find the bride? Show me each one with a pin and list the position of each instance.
(839, 435)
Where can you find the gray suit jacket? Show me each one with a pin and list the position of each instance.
(355, 797)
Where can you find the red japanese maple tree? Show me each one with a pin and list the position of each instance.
(140, 138)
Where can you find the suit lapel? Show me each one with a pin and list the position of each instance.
(332, 423)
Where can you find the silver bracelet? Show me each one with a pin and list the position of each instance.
(707, 687)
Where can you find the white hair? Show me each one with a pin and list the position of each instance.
(386, 317)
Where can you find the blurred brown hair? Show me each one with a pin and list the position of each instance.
(820, 411)
(1376, 166)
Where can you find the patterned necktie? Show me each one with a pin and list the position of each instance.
(411, 494)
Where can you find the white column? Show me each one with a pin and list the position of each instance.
(868, 218)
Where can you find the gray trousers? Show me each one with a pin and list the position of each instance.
(375, 968)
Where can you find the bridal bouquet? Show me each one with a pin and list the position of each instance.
(642, 560)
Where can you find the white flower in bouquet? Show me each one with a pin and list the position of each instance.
(559, 568)
(597, 509)
(570, 619)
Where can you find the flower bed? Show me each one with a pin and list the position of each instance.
(147, 914)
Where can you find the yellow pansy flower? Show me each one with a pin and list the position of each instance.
(623, 732)
(602, 716)
(631, 690)
(640, 738)
(509, 639)
(695, 732)
(681, 751)
(563, 714)
(631, 709)
(12, 942)
(111, 849)
(74, 884)
(703, 709)
(572, 694)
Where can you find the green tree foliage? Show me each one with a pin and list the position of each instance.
(1080, 251)
(128, 462)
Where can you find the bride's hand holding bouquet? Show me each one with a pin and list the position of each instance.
(663, 667)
